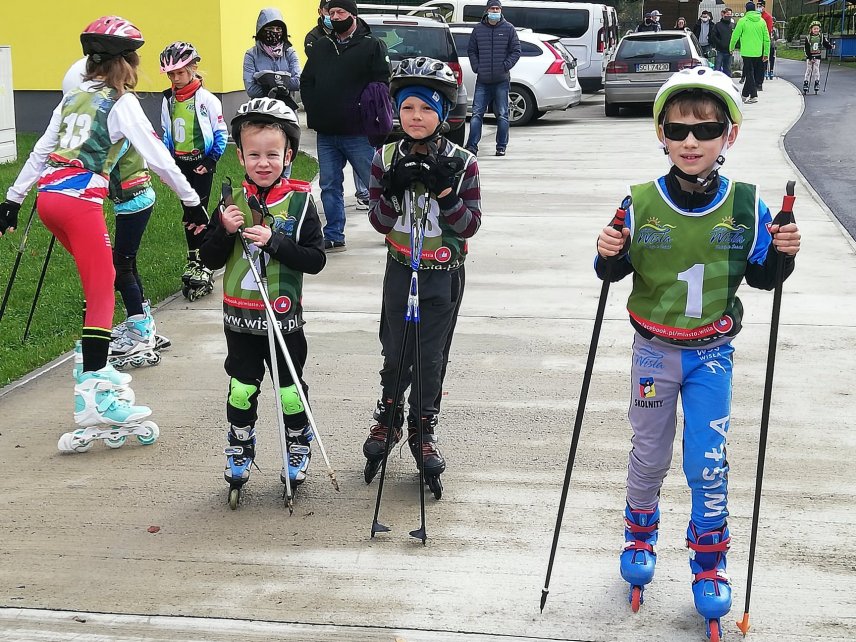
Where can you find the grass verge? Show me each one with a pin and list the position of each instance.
(57, 320)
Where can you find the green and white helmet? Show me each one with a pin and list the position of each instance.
(701, 79)
(815, 23)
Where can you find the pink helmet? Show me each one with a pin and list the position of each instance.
(178, 55)
(111, 36)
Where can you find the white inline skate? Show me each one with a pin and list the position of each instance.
(121, 381)
(101, 414)
(137, 343)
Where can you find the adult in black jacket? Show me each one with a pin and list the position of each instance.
(702, 30)
(493, 50)
(323, 29)
(720, 39)
(338, 68)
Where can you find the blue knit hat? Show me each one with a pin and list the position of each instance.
(434, 99)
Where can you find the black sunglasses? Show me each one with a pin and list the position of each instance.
(701, 131)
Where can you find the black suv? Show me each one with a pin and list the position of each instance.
(411, 37)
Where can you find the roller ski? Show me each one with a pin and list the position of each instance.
(101, 414)
(639, 556)
(197, 280)
(299, 454)
(137, 345)
(375, 444)
(711, 585)
(426, 454)
(240, 456)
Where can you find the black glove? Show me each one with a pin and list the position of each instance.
(413, 168)
(209, 163)
(444, 173)
(195, 215)
(272, 79)
(8, 215)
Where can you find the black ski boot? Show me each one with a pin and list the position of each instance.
(428, 452)
(805, 88)
(375, 444)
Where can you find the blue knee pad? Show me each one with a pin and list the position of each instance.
(291, 403)
(241, 395)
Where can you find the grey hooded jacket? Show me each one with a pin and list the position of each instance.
(256, 60)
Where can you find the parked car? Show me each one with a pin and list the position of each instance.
(589, 31)
(643, 62)
(414, 36)
(544, 79)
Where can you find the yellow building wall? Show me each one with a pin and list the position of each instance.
(221, 30)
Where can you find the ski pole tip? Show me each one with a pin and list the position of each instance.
(334, 481)
(743, 624)
(544, 593)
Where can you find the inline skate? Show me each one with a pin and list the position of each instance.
(711, 585)
(375, 444)
(240, 456)
(427, 453)
(639, 555)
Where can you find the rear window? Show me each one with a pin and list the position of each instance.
(410, 41)
(668, 47)
(565, 23)
(462, 42)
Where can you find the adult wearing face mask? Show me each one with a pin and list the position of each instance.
(768, 20)
(271, 67)
(339, 67)
(493, 50)
(702, 29)
(720, 38)
(323, 29)
(651, 22)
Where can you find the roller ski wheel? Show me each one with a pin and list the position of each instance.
(636, 597)
(714, 630)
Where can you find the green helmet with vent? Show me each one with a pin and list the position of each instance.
(702, 80)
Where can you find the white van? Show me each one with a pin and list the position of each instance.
(589, 31)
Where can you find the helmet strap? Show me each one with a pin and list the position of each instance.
(712, 176)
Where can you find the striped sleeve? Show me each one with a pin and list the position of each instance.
(382, 214)
(462, 209)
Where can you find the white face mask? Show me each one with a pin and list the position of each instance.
(705, 19)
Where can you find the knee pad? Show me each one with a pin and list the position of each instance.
(241, 394)
(291, 403)
(124, 266)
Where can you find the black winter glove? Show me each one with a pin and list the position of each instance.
(9, 215)
(209, 163)
(195, 215)
(444, 173)
(272, 79)
(413, 168)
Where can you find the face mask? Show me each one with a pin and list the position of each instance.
(705, 19)
(494, 17)
(271, 38)
(341, 26)
(328, 24)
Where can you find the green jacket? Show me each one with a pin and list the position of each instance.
(751, 32)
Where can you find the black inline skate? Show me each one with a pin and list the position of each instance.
(428, 451)
(375, 444)
(197, 280)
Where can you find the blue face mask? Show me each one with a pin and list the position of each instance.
(328, 23)
(494, 17)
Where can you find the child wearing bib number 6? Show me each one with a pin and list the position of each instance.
(691, 238)
(195, 133)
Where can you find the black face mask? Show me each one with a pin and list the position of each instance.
(341, 26)
(270, 38)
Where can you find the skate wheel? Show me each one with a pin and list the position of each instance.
(714, 631)
(371, 470)
(116, 442)
(152, 436)
(234, 498)
(436, 486)
(154, 360)
(67, 444)
(185, 291)
(635, 598)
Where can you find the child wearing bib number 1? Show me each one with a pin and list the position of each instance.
(195, 133)
(690, 239)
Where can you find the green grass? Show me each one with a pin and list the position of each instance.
(57, 319)
(799, 54)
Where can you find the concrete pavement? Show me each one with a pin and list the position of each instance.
(75, 528)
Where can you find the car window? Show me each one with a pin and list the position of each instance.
(409, 41)
(666, 47)
(565, 23)
(462, 42)
(529, 49)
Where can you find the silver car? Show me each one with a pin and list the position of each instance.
(643, 62)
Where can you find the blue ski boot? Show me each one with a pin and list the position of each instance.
(240, 454)
(639, 556)
(299, 454)
(711, 586)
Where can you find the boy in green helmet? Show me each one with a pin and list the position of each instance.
(813, 43)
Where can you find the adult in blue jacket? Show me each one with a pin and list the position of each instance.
(493, 50)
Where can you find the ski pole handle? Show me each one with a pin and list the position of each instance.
(786, 214)
(617, 223)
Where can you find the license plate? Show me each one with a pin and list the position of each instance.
(652, 66)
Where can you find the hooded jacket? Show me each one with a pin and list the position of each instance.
(720, 35)
(256, 59)
(751, 32)
(335, 76)
(493, 50)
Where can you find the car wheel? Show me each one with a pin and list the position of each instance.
(521, 106)
(611, 109)
(458, 135)
(538, 115)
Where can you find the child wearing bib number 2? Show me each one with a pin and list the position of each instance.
(195, 133)
(89, 131)
(690, 239)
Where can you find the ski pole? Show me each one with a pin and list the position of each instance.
(417, 232)
(828, 65)
(289, 362)
(38, 289)
(21, 249)
(618, 224)
(785, 216)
